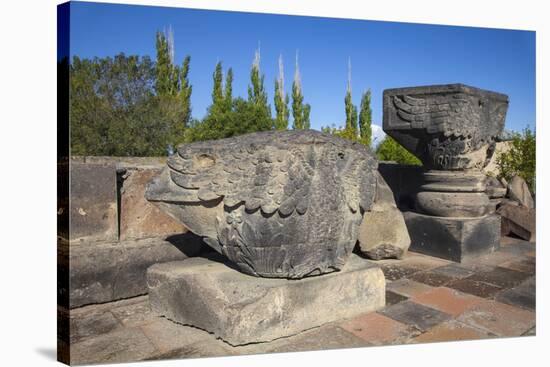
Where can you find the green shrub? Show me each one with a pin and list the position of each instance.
(391, 150)
(520, 159)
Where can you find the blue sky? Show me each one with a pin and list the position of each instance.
(383, 54)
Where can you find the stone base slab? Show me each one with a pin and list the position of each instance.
(242, 309)
(105, 272)
(453, 238)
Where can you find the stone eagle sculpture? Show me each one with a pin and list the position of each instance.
(277, 204)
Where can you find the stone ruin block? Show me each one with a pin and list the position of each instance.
(93, 203)
(138, 217)
(240, 309)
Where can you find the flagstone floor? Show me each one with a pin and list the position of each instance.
(427, 300)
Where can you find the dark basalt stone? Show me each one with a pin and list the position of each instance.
(284, 204)
(448, 127)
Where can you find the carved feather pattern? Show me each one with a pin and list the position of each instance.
(452, 115)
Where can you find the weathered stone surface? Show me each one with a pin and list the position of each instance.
(519, 220)
(492, 167)
(106, 272)
(240, 309)
(519, 191)
(138, 217)
(453, 130)
(404, 181)
(383, 233)
(283, 204)
(455, 239)
(495, 188)
(124, 345)
(93, 203)
(448, 127)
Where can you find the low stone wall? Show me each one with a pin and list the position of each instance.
(115, 234)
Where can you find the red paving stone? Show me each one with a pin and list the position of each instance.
(499, 318)
(407, 287)
(451, 331)
(378, 329)
(447, 300)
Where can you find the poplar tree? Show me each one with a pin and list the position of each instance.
(257, 96)
(300, 112)
(351, 110)
(281, 100)
(217, 91)
(185, 90)
(163, 66)
(228, 91)
(365, 119)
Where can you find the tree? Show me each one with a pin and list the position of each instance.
(185, 91)
(281, 100)
(166, 82)
(391, 150)
(114, 109)
(228, 92)
(226, 116)
(300, 112)
(217, 90)
(520, 159)
(365, 119)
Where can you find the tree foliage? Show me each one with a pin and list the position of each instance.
(520, 159)
(300, 111)
(114, 109)
(129, 105)
(281, 100)
(365, 119)
(227, 117)
(391, 150)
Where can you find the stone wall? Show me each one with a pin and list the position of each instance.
(115, 234)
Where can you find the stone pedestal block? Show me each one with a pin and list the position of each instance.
(455, 239)
(242, 309)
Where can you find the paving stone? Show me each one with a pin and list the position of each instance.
(500, 277)
(393, 298)
(407, 287)
(476, 288)
(492, 259)
(518, 247)
(209, 348)
(134, 314)
(524, 295)
(525, 265)
(394, 272)
(454, 271)
(323, 338)
(124, 345)
(243, 309)
(423, 262)
(377, 329)
(447, 300)
(167, 335)
(499, 318)
(451, 330)
(92, 324)
(431, 278)
(414, 314)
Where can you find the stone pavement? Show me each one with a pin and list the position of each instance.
(427, 300)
